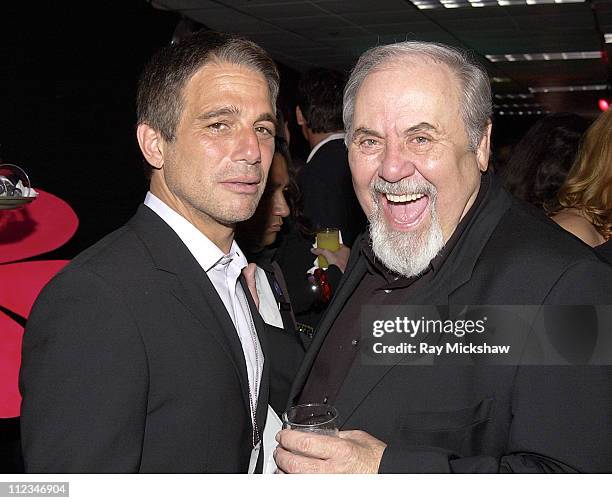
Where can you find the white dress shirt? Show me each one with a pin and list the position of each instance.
(331, 137)
(224, 272)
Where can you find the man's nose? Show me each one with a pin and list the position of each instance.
(397, 163)
(248, 149)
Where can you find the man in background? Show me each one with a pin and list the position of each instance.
(326, 192)
(325, 181)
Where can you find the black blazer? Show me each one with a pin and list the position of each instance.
(487, 418)
(605, 250)
(131, 363)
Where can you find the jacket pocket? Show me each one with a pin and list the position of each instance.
(459, 431)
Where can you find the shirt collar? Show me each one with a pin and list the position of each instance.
(206, 253)
(331, 137)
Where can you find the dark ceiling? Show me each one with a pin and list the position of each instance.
(333, 33)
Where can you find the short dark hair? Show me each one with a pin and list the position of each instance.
(320, 99)
(160, 89)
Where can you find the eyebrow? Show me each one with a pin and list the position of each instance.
(233, 110)
(365, 131)
(267, 117)
(421, 126)
(219, 112)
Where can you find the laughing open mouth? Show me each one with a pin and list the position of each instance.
(405, 210)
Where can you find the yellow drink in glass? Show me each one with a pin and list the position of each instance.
(329, 239)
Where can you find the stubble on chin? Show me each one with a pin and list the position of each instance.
(233, 208)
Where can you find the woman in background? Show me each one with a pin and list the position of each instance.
(541, 160)
(257, 235)
(584, 203)
(256, 238)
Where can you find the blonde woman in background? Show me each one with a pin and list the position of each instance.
(584, 202)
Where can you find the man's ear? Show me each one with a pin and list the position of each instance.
(299, 116)
(151, 145)
(484, 149)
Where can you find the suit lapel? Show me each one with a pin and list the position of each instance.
(460, 265)
(193, 289)
(263, 398)
(197, 293)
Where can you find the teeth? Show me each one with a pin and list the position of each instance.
(403, 198)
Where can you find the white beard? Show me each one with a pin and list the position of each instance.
(407, 253)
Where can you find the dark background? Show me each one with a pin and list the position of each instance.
(67, 104)
(67, 107)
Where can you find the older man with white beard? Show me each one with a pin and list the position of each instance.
(443, 232)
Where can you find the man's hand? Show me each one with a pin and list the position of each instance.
(338, 258)
(353, 452)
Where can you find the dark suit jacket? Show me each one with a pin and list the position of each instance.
(327, 190)
(605, 250)
(131, 363)
(487, 418)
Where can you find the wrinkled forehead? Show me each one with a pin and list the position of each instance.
(411, 64)
(412, 87)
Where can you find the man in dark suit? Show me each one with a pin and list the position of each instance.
(326, 189)
(147, 354)
(325, 181)
(445, 233)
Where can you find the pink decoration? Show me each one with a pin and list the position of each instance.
(41, 226)
(10, 361)
(23, 281)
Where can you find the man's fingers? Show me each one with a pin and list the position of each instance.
(311, 445)
(322, 251)
(338, 258)
(289, 462)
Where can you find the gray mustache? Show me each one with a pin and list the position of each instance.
(403, 187)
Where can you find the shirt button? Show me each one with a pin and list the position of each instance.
(325, 399)
(354, 342)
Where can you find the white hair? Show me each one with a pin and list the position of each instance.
(476, 103)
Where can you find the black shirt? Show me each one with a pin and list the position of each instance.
(379, 286)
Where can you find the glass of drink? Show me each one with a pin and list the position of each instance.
(312, 418)
(329, 239)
